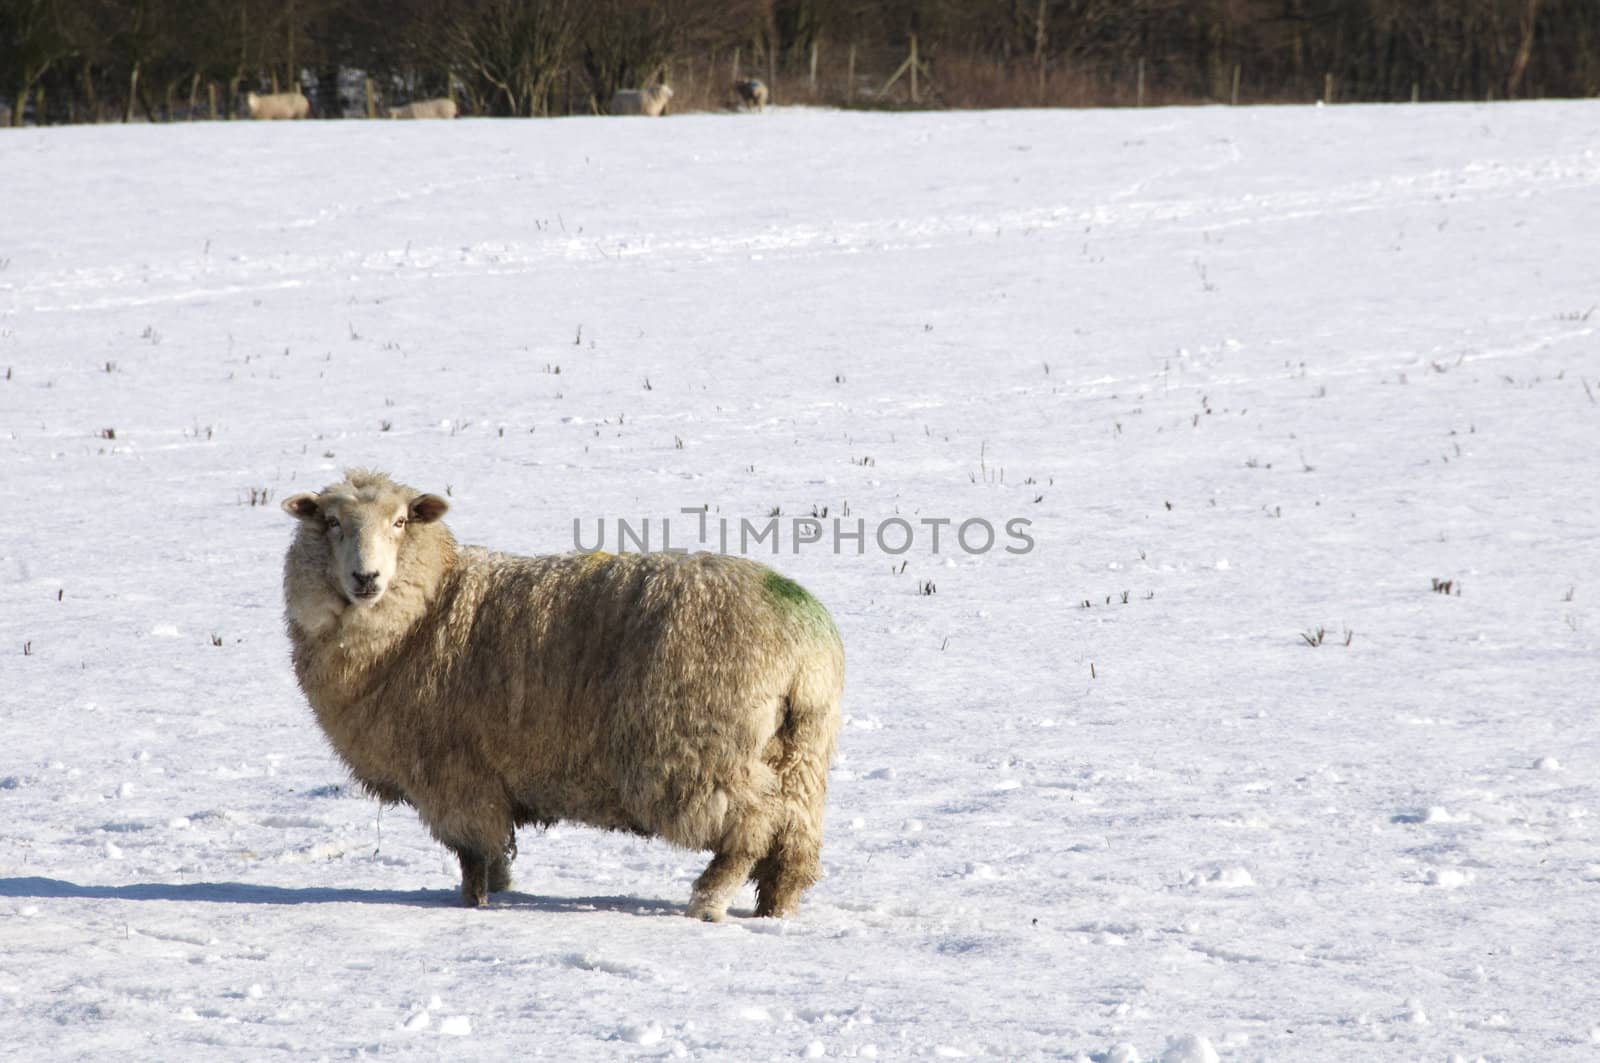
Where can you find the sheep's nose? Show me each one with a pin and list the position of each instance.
(364, 579)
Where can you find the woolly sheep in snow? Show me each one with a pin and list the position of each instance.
(440, 108)
(691, 697)
(651, 101)
(277, 105)
(752, 93)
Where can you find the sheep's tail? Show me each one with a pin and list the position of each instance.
(808, 735)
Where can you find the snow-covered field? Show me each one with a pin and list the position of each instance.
(1251, 375)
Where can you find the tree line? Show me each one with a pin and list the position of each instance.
(156, 60)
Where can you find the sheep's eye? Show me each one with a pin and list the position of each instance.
(333, 523)
(400, 523)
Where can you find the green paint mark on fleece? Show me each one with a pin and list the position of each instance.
(798, 601)
(789, 592)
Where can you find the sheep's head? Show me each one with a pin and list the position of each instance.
(363, 524)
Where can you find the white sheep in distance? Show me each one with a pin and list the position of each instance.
(651, 101)
(752, 93)
(440, 108)
(690, 697)
(277, 105)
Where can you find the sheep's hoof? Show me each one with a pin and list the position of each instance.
(471, 898)
(706, 913)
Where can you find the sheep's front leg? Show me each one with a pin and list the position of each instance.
(715, 887)
(474, 878)
(482, 837)
(500, 872)
(483, 873)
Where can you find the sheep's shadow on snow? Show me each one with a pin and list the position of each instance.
(41, 888)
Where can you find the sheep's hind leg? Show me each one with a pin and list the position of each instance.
(717, 884)
(787, 871)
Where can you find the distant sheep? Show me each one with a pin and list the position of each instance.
(651, 101)
(277, 105)
(692, 697)
(440, 108)
(752, 93)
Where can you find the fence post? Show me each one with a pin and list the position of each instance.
(1139, 92)
(372, 105)
(914, 98)
(1236, 75)
(211, 98)
(850, 75)
(1416, 92)
(133, 95)
(1327, 87)
(814, 69)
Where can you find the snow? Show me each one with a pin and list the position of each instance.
(1251, 374)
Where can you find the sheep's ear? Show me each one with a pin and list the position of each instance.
(303, 506)
(425, 509)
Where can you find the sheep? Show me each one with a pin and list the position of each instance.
(277, 105)
(651, 101)
(689, 697)
(440, 108)
(752, 93)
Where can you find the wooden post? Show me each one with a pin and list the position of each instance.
(91, 104)
(211, 98)
(899, 72)
(293, 67)
(850, 75)
(1039, 39)
(813, 68)
(1327, 87)
(1139, 93)
(372, 102)
(736, 64)
(133, 94)
(914, 97)
(772, 75)
(194, 94)
(1236, 74)
(38, 105)
(1416, 92)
